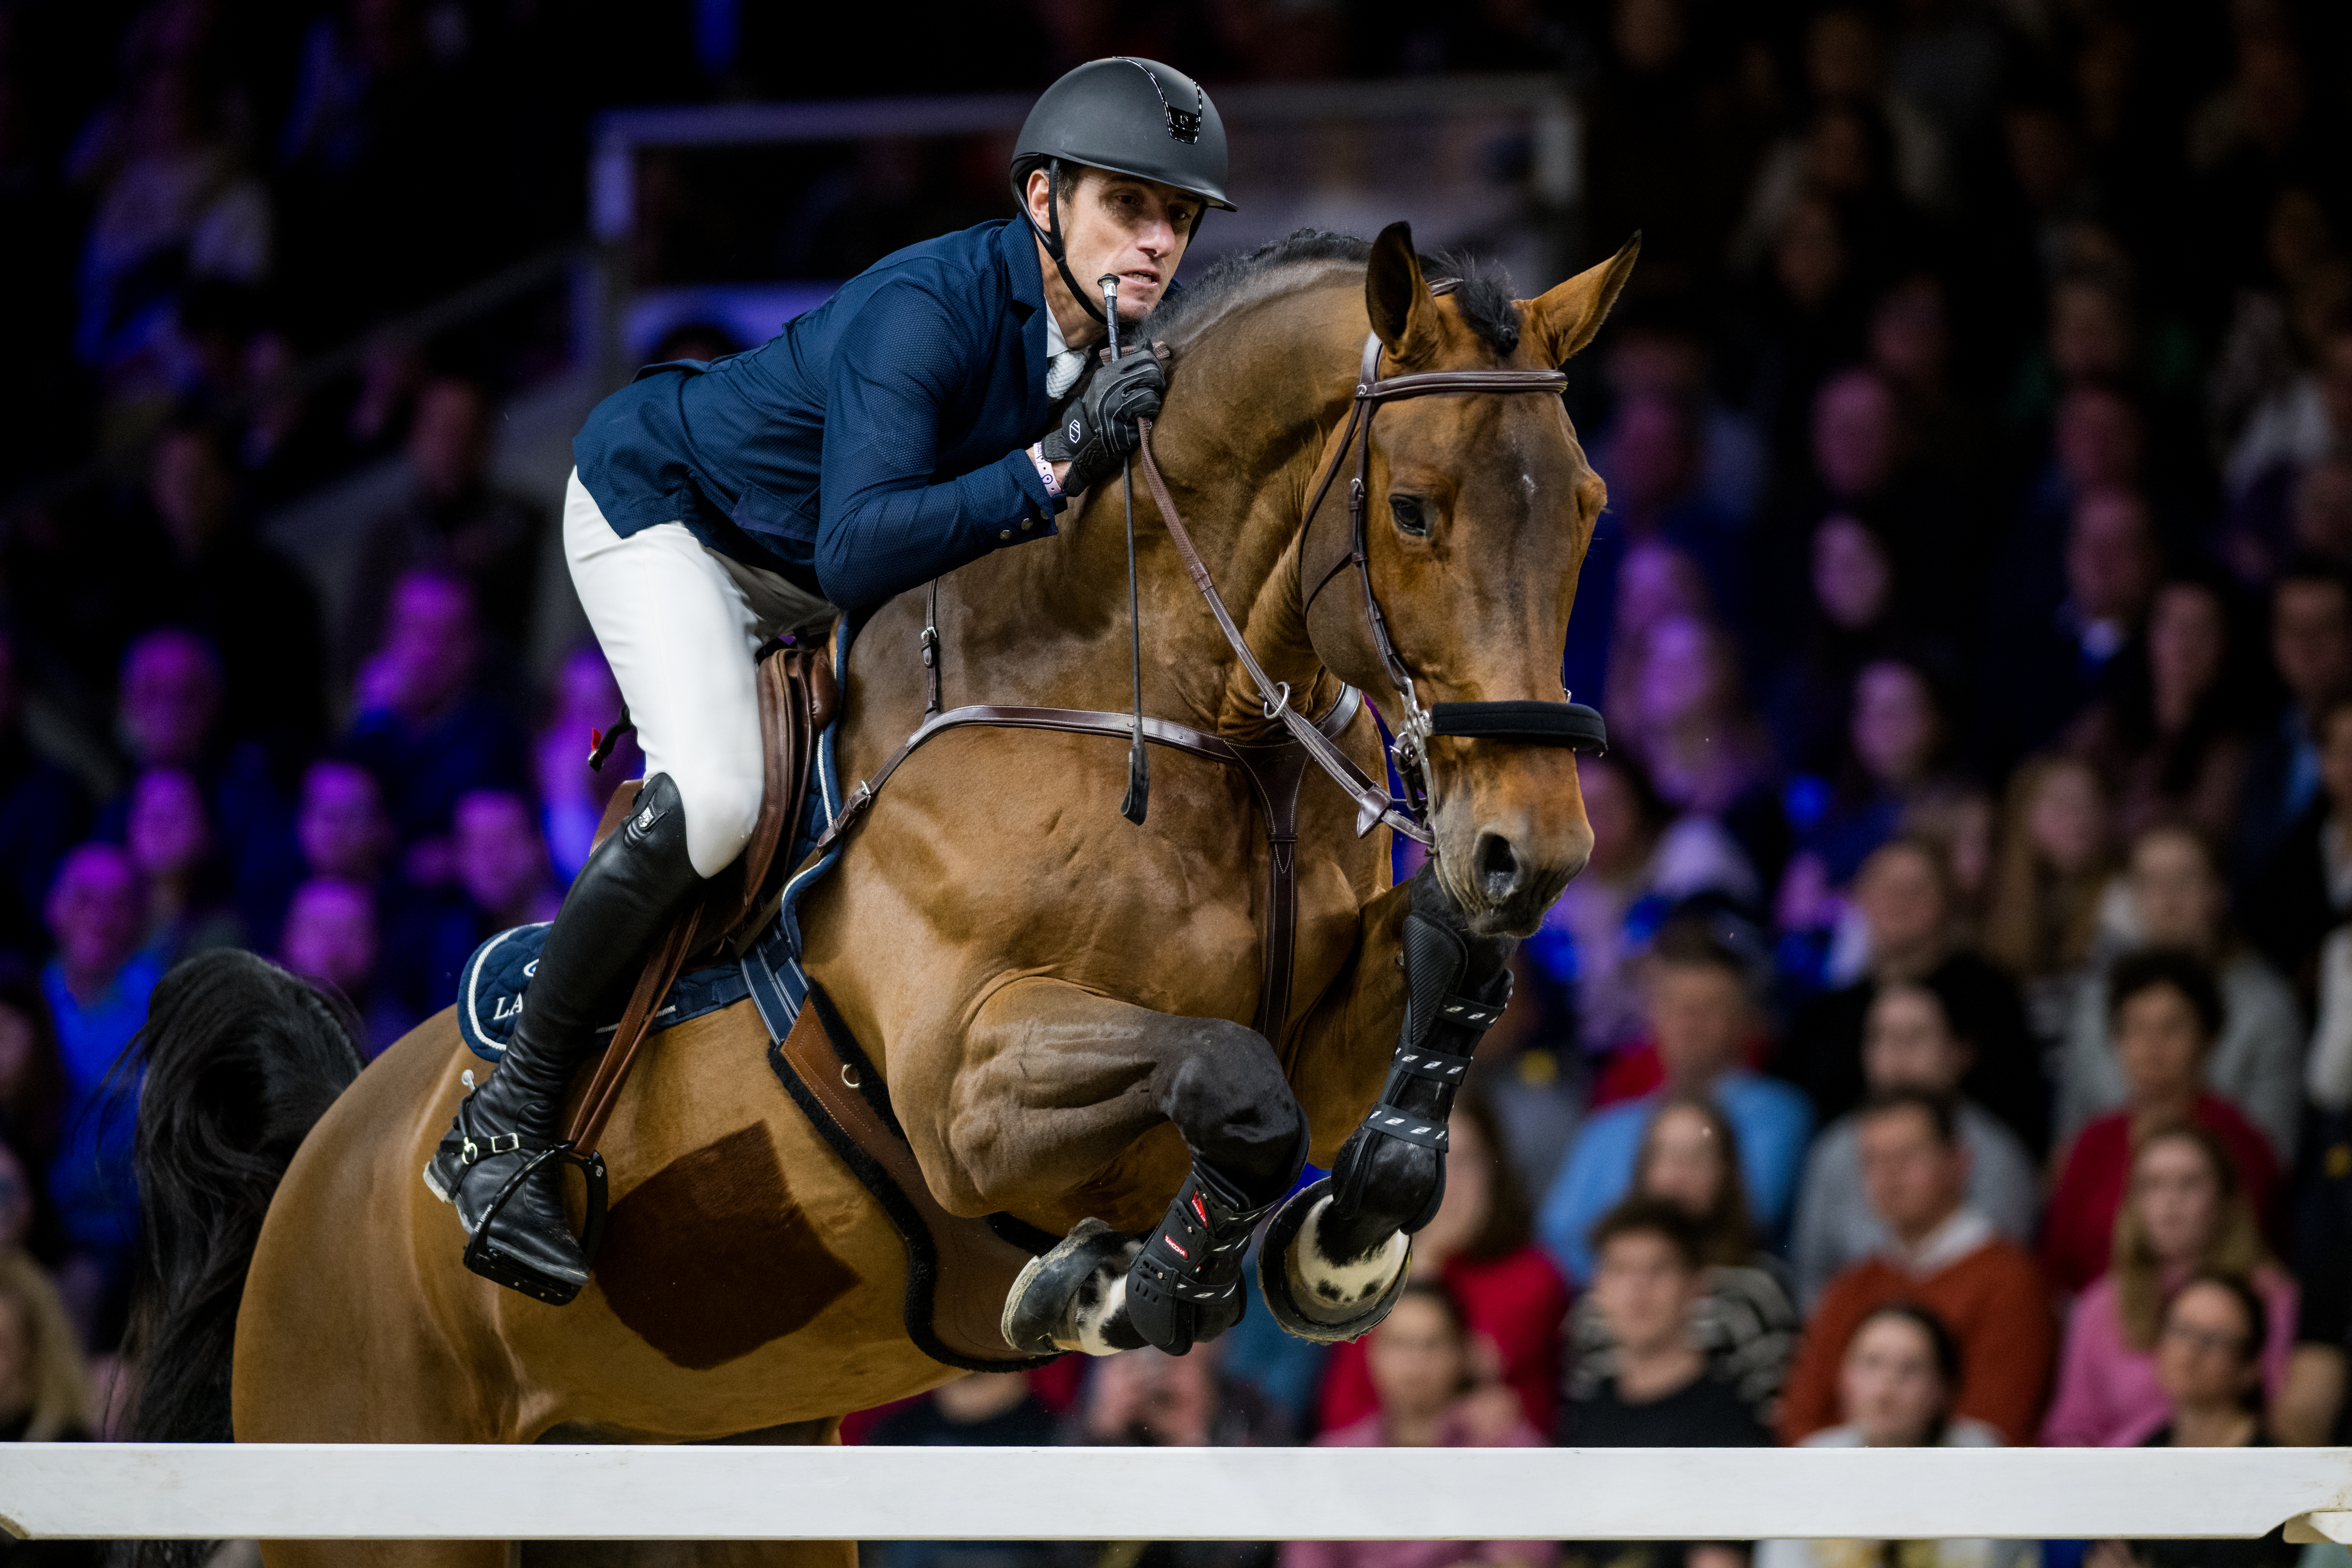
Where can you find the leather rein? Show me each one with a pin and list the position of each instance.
(1275, 770)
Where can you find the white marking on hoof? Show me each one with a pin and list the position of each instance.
(1090, 1309)
(1098, 1310)
(1341, 1289)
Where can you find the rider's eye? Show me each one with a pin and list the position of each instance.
(1410, 516)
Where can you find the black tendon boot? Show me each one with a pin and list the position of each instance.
(1185, 1286)
(1391, 1175)
(501, 1161)
(1447, 1010)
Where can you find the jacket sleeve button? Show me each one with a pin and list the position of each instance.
(1007, 536)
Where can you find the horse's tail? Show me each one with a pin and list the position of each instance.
(241, 1060)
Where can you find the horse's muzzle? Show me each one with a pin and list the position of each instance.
(1503, 883)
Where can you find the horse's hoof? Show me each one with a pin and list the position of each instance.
(1056, 1298)
(1274, 1276)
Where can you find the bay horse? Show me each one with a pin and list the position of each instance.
(1055, 996)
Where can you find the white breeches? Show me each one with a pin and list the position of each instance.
(678, 625)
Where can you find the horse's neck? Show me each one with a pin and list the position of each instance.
(1252, 401)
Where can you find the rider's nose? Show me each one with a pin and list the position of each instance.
(1499, 870)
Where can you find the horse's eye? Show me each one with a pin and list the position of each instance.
(1410, 517)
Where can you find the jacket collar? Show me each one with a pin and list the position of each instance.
(1957, 1236)
(1019, 253)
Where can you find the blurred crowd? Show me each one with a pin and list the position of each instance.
(1950, 1041)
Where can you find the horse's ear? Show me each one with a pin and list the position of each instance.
(1565, 319)
(1403, 312)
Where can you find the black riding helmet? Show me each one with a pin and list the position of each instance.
(1129, 117)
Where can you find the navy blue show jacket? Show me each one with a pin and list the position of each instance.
(877, 442)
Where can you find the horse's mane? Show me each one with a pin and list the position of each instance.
(1482, 292)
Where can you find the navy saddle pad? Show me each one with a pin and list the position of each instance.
(490, 990)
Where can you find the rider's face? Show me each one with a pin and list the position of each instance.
(1111, 223)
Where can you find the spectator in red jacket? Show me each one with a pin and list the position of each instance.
(2164, 1015)
(1942, 1255)
(1511, 1294)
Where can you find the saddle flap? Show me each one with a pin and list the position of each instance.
(734, 902)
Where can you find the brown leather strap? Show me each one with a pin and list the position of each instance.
(1278, 771)
(783, 727)
(1372, 803)
(637, 1024)
(931, 652)
(1072, 721)
(974, 1267)
(1274, 772)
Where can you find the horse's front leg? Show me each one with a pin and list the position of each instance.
(1335, 1257)
(1060, 1082)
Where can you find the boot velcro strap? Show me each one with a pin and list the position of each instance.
(1200, 1234)
(1424, 1128)
(1184, 1290)
(1439, 1066)
(1470, 1013)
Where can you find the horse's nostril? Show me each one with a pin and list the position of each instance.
(1499, 867)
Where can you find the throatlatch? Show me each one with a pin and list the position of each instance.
(1442, 1026)
(1185, 1286)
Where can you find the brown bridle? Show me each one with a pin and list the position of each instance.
(1573, 725)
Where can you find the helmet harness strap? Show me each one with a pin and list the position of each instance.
(1054, 240)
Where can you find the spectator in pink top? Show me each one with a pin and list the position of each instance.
(1430, 1398)
(2184, 1214)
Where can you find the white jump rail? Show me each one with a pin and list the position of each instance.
(402, 1492)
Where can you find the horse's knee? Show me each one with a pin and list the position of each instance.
(1229, 1098)
(721, 807)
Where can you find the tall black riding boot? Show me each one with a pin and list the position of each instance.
(501, 1161)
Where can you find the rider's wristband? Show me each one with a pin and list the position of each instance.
(1045, 471)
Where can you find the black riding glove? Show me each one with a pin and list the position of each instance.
(1097, 427)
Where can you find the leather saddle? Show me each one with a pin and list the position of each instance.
(798, 697)
(959, 1270)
